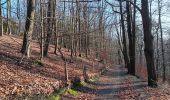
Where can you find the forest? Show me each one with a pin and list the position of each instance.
(84, 50)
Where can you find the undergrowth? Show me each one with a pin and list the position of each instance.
(78, 84)
(72, 92)
(38, 62)
(93, 80)
(54, 97)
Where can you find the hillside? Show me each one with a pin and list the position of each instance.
(29, 77)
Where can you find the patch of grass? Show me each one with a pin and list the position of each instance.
(72, 92)
(82, 83)
(38, 62)
(54, 97)
(79, 84)
(56, 94)
(61, 91)
(93, 80)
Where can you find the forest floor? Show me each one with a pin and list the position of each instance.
(31, 77)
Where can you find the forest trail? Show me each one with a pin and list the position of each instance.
(116, 84)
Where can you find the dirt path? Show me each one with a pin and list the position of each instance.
(116, 84)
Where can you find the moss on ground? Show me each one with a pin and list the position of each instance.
(38, 62)
(54, 97)
(72, 92)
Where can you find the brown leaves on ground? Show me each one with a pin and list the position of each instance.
(128, 93)
(156, 94)
(17, 83)
(149, 93)
(29, 78)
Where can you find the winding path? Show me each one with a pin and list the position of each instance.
(116, 84)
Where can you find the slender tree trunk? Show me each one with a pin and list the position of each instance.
(50, 21)
(79, 29)
(73, 30)
(140, 53)
(162, 41)
(42, 29)
(1, 20)
(85, 29)
(19, 17)
(148, 40)
(56, 38)
(131, 68)
(133, 57)
(125, 54)
(9, 17)
(26, 46)
(157, 53)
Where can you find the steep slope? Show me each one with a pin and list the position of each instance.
(34, 77)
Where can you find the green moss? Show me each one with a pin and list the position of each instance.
(38, 62)
(79, 84)
(56, 94)
(82, 83)
(62, 91)
(54, 97)
(93, 80)
(72, 92)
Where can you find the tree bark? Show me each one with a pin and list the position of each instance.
(125, 54)
(9, 17)
(162, 41)
(42, 29)
(131, 69)
(26, 46)
(133, 57)
(50, 21)
(19, 17)
(148, 41)
(1, 20)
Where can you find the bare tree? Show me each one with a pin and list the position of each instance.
(19, 16)
(148, 40)
(1, 19)
(162, 41)
(9, 17)
(26, 46)
(131, 36)
(50, 21)
(125, 53)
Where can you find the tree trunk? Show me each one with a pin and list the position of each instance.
(42, 29)
(125, 54)
(157, 54)
(162, 41)
(26, 46)
(73, 30)
(1, 20)
(50, 21)
(56, 38)
(148, 41)
(9, 17)
(131, 68)
(19, 17)
(133, 57)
